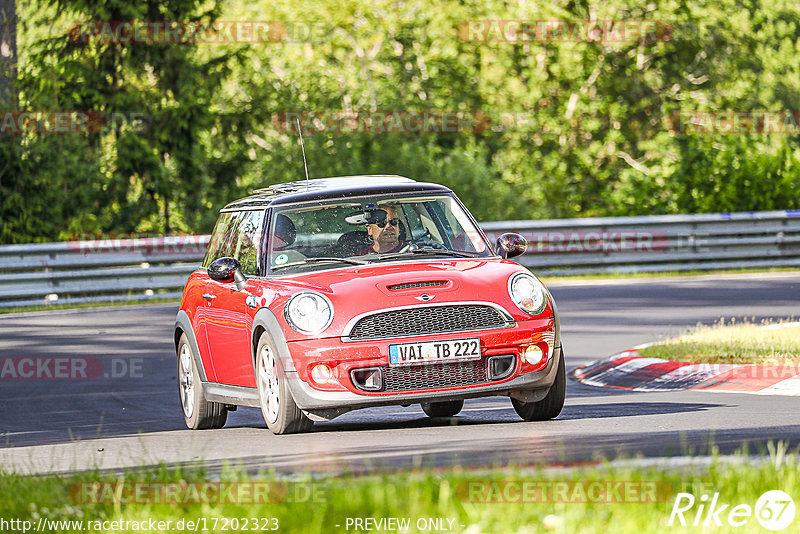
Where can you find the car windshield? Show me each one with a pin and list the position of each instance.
(356, 231)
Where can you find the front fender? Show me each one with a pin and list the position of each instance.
(184, 325)
(556, 318)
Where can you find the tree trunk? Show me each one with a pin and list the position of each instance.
(8, 53)
(166, 216)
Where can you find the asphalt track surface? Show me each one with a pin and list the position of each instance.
(113, 422)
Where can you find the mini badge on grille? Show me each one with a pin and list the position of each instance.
(424, 298)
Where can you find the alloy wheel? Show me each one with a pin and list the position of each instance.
(268, 384)
(187, 381)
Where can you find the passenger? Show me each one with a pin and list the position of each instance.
(285, 232)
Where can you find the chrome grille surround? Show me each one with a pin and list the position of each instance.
(414, 320)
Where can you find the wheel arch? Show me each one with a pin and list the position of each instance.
(178, 333)
(265, 321)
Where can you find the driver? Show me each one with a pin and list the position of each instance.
(383, 226)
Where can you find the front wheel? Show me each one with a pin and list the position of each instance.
(198, 413)
(550, 406)
(277, 405)
(442, 409)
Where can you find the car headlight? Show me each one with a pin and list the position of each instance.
(528, 293)
(308, 312)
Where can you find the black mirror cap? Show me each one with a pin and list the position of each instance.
(511, 245)
(224, 269)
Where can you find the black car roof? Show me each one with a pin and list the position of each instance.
(333, 187)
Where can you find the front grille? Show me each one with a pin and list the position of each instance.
(434, 376)
(413, 285)
(428, 320)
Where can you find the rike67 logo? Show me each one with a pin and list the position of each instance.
(774, 510)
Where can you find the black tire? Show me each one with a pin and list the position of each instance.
(442, 409)
(277, 405)
(550, 406)
(198, 413)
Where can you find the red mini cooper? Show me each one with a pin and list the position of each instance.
(324, 296)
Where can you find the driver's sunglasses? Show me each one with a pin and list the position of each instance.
(394, 221)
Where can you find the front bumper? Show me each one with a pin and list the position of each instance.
(529, 387)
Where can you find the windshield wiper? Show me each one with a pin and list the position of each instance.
(428, 250)
(319, 260)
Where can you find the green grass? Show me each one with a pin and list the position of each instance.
(318, 506)
(735, 343)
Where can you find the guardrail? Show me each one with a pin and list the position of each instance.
(97, 271)
(658, 243)
(100, 270)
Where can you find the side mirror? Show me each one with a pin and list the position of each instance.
(511, 245)
(227, 270)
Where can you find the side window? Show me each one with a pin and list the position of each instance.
(456, 225)
(237, 235)
(415, 227)
(423, 223)
(231, 236)
(221, 234)
(248, 240)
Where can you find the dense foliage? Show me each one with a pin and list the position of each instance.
(563, 127)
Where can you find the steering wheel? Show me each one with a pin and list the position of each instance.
(420, 243)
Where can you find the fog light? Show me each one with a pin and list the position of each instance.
(321, 374)
(533, 354)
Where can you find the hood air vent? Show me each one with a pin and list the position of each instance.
(414, 285)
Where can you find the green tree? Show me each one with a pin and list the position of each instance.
(569, 127)
(157, 101)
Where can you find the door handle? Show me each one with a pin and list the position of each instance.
(209, 296)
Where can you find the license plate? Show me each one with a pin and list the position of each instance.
(435, 352)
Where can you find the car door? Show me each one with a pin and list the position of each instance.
(196, 307)
(229, 326)
(198, 297)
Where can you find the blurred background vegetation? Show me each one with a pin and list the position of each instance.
(577, 128)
